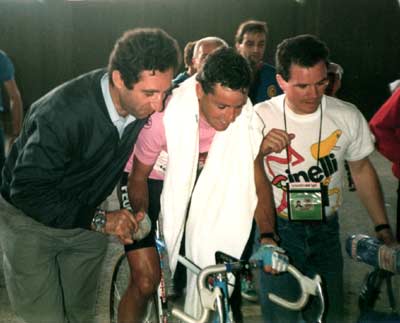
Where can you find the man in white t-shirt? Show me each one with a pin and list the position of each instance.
(327, 132)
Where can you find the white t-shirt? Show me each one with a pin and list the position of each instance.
(345, 135)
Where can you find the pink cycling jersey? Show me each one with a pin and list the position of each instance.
(151, 145)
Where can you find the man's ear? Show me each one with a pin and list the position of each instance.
(282, 83)
(117, 79)
(199, 90)
(237, 45)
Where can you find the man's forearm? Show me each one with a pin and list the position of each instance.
(16, 113)
(15, 105)
(370, 193)
(138, 195)
(265, 210)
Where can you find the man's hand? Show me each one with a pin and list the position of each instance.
(387, 237)
(273, 258)
(275, 141)
(122, 224)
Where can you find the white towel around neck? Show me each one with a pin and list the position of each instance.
(224, 198)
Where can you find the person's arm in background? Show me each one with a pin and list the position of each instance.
(15, 107)
(385, 125)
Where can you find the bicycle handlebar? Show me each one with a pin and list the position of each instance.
(308, 287)
(208, 298)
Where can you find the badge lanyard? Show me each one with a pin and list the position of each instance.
(319, 135)
(305, 199)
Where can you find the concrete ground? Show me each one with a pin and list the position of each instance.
(354, 219)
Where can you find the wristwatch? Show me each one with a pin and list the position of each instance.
(99, 221)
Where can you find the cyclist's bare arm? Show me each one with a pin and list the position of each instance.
(137, 186)
(265, 209)
(275, 141)
(370, 192)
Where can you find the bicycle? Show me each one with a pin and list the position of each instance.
(213, 292)
(213, 297)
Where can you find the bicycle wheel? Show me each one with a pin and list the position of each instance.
(119, 283)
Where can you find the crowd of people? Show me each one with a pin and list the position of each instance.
(223, 144)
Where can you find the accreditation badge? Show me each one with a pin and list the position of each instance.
(306, 201)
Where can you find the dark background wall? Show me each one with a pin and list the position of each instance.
(51, 41)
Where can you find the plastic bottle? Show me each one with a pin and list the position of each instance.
(167, 281)
(144, 228)
(373, 252)
(144, 225)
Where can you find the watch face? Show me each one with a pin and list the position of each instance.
(99, 220)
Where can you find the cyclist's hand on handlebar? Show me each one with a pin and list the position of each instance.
(275, 141)
(272, 257)
(122, 223)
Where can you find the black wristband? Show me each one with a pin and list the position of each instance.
(381, 227)
(269, 235)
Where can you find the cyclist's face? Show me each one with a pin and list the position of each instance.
(145, 97)
(305, 87)
(220, 108)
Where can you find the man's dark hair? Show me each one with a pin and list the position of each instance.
(188, 53)
(141, 49)
(302, 50)
(250, 26)
(226, 67)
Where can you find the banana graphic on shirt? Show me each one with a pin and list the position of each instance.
(325, 147)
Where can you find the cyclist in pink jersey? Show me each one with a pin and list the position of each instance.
(214, 101)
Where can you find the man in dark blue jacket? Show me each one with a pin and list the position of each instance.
(68, 158)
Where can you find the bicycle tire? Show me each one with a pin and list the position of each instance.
(119, 283)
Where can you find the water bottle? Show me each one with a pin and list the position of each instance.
(143, 230)
(373, 252)
(144, 225)
(167, 281)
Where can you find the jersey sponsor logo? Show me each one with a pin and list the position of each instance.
(321, 172)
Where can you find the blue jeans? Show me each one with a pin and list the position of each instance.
(312, 248)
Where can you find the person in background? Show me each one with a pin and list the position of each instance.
(335, 73)
(7, 81)
(385, 124)
(328, 131)
(203, 48)
(188, 60)
(67, 160)
(250, 42)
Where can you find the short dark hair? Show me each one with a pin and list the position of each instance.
(226, 67)
(188, 53)
(302, 50)
(143, 49)
(250, 26)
